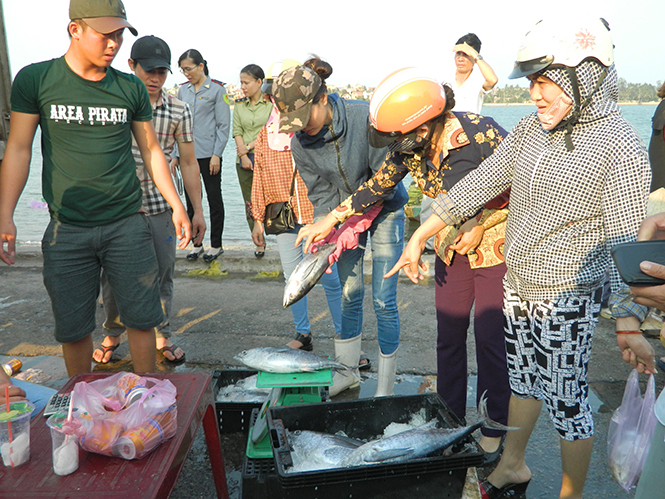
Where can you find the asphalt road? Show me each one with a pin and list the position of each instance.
(217, 316)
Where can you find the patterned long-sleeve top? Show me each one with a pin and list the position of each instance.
(466, 140)
(568, 208)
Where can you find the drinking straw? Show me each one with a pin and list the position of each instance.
(69, 414)
(9, 426)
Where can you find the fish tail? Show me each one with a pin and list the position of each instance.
(351, 370)
(487, 422)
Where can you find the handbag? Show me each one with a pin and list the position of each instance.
(279, 216)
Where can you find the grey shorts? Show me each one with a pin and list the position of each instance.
(548, 344)
(73, 259)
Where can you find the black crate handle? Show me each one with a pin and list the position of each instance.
(282, 450)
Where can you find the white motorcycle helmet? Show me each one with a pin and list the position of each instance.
(274, 71)
(565, 42)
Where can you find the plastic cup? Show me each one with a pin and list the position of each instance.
(65, 447)
(15, 434)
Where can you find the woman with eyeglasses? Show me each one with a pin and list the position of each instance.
(249, 116)
(212, 117)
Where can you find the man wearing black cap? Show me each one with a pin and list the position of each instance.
(88, 112)
(151, 61)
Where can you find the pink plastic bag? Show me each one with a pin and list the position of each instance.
(631, 430)
(125, 415)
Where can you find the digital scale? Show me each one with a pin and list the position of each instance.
(287, 389)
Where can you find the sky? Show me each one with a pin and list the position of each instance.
(363, 40)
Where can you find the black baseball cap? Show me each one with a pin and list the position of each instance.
(151, 53)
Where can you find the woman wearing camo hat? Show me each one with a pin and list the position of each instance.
(579, 177)
(334, 158)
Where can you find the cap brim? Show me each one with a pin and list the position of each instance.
(526, 68)
(106, 25)
(150, 64)
(296, 120)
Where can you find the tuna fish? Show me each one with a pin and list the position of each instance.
(287, 360)
(307, 273)
(311, 450)
(419, 442)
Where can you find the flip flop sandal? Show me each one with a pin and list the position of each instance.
(104, 349)
(172, 349)
(364, 366)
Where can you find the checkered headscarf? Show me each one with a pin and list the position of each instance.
(594, 101)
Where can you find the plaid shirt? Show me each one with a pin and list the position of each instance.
(273, 172)
(567, 208)
(172, 120)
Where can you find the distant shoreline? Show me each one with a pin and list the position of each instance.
(514, 104)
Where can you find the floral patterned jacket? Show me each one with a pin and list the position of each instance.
(467, 139)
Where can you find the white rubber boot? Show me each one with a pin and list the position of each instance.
(386, 379)
(347, 352)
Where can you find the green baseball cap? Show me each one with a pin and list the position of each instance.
(293, 91)
(104, 16)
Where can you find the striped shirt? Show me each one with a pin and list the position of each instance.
(172, 120)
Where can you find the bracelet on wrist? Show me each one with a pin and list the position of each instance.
(629, 332)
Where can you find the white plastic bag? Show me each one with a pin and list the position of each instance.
(631, 430)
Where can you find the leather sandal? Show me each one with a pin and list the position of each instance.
(306, 341)
(364, 366)
(489, 491)
(210, 257)
(195, 253)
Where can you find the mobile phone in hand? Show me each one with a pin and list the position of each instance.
(628, 256)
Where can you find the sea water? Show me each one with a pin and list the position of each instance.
(31, 216)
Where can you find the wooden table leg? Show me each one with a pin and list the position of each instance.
(215, 452)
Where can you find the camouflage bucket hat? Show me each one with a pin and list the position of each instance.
(293, 91)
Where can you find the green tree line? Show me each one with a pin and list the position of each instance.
(628, 92)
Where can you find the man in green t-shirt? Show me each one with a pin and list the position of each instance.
(88, 113)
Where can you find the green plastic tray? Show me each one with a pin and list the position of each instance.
(287, 380)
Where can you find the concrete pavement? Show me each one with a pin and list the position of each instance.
(217, 316)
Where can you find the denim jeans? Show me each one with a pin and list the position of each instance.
(387, 241)
(290, 256)
(37, 394)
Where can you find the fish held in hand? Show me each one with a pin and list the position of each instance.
(287, 360)
(307, 273)
(419, 442)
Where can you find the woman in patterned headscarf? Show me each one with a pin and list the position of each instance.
(579, 178)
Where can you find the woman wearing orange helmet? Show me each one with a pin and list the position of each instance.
(411, 114)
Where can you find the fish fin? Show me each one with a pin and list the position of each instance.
(487, 422)
(351, 372)
(384, 455)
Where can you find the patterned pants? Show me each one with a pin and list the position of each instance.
(548, 345)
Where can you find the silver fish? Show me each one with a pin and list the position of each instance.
(307, 273)
(287, 360)
(419, 442)
(312, 450)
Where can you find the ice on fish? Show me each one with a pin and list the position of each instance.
(418, 442)
(243, 390)
(311, 450)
